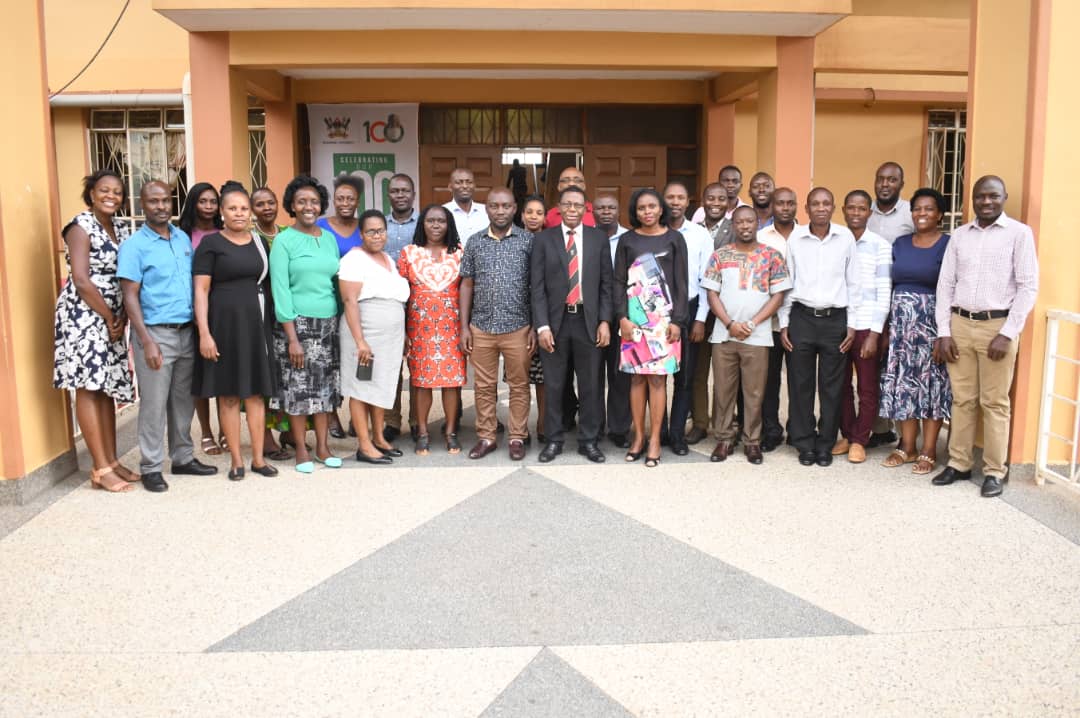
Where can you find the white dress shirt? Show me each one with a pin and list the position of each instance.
(699, 213)
(468, 223)
(824, 272)
(770, 237)
(614, 241)
(699, 248)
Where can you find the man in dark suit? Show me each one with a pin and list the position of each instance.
(571, 280)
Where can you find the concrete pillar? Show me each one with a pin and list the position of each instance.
(35, 426)
(219, 111)
(786, 117)
(719, 139)
(1030, 142)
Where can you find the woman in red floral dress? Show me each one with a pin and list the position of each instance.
(432, 266)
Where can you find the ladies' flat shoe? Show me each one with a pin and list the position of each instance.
(236, 474)
(365, 459)
(392, 452)
(264, 470)
(306, 467)
(332, 461)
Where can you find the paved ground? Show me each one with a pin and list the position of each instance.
(445, 587)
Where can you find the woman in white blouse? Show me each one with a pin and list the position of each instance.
(372, 336)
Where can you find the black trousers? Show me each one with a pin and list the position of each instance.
(815, 363)
(682, 397)
(770, 407)
(574, 344)
(617, 416)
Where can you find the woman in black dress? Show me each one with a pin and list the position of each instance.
(231, 269)
(651, 303)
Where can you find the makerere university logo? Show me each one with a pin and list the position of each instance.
(337, 128)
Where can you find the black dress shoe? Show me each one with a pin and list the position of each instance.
(619, 440)
(155, 482)
(365, 459)
(993, 486)
(592, 452)
(264, 470)
(771, 443)
(392, 452)
(390, 433)
(679, 446)
(352, 430)
(236, 474)
(193, 468)
(823, 458)
(550, 451)
(337, 432)
(950, 475)
(807, 458)
(885, 438)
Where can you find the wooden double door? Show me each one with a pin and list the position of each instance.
(618, 169)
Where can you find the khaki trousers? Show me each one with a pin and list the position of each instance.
(513, 346)
(979, 383)
(732, 361)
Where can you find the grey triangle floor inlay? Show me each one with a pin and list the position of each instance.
(528, 562)
(549, 687)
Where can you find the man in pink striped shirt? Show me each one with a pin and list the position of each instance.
(986, 290)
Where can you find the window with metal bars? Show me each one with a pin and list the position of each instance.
(141, 144)
(946, 154)
(257, 146)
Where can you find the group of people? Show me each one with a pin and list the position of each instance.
(881, 319)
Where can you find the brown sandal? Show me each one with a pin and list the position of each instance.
(209, 446)
(114, 487)
(897, 457)
(923, 464)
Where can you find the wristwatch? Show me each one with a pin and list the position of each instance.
(750, 323)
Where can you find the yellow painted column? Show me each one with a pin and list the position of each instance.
(1045, 194)
(785, 136)
(998, 93)
(218, 110)
(281, 144)
(719, 139)
(35, 427)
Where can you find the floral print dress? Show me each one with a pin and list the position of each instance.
(432, 318)
(85, 358)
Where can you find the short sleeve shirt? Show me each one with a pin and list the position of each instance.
(745, 281)
(162, 267)
(499, 269)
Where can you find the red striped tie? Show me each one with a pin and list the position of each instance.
(574, 295)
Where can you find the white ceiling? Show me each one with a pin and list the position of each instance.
(690, 22)
(346, 74)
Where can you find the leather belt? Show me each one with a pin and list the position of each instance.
(574, 308)
(185, 325)
(981, 316)
(826, 312)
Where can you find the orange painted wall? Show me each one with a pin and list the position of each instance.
(147, 52)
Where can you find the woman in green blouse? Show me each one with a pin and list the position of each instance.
(303, 263)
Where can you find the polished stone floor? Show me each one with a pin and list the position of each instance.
(446, 587)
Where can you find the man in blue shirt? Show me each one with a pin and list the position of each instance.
(154, 267)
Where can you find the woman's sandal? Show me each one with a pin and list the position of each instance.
(124, 472)
(222, 442)
(281, 454)
(210, 447)
(897, 457)
(423, 444)
(453, 446)
(114, 487)
(651, 462)
(923, 464)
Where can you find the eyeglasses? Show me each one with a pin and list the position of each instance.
(375, 232)
(572, 205)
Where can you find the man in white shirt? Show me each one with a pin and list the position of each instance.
(469, 217)
(617, 413)
(890, 217)
(817, 325)
(875, 281)
(775, 235)
(698, 250)
(731, 180)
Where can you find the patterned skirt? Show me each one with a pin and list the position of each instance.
(315, 389)
(913, 386)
